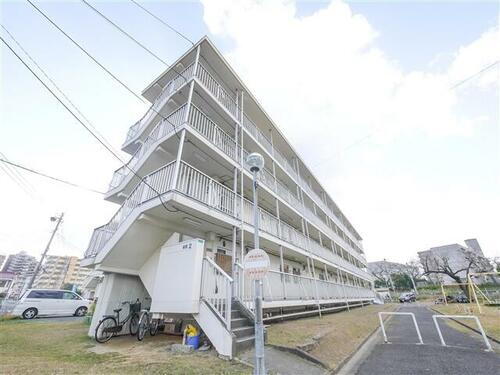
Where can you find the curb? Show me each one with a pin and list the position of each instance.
(302, 354)
(348, 358)
(466, 326)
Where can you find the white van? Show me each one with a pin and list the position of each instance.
(38, 302)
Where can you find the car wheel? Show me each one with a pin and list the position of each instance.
(81, 311)
(30, 313)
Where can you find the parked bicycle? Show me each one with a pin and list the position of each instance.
(111, 325)
(147, 323)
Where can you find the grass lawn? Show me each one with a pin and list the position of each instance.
(341, 333)
(41, 347)
(490, 317)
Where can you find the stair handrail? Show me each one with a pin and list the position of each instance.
(221, 305)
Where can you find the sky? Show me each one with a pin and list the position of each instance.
(365, 91)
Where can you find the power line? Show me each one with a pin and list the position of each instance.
(163, 22)
(360, 140)
(47, 176)
(18, 177)
(107, 70)
(475, 74)
(85, 52)
(125, 33)
(56, 86)
(83, 124)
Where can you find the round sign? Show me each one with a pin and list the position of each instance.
(256, 264)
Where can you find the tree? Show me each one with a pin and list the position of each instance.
(436, 264)
(402, 281)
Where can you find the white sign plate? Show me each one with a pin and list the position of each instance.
(256, 264)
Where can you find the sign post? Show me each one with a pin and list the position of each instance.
(256, 265)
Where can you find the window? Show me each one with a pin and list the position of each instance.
(46, 294)
(69, 295)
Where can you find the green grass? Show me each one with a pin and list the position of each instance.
(31, 347)
(341, 333)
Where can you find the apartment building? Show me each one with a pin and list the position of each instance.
(184, 223)
(2, 259)
(23, 267)
(456, 257)
(59, 270)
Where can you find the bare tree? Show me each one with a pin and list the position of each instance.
(435, 264)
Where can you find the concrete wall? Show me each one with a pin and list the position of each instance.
(115, 289)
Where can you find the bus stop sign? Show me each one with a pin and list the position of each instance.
(256, 264)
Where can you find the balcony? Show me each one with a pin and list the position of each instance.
(202, 188)
(207, 128)
(170, 88)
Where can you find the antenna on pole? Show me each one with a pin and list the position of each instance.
(59, 221)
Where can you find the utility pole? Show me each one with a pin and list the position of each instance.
(59, 220)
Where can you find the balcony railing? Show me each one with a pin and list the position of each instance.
(172, 86)
(226, 99)
(217, 90)
(197, 185)
(162, 130)
(281, 286)
(159, 180)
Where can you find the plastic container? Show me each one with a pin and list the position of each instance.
(193, 341)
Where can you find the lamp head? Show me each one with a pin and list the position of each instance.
(255, 161)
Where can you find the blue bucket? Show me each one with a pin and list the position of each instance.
(193, 341)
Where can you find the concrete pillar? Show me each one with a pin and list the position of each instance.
(115, 289)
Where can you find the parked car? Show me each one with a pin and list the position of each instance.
(461, 298)
(407, 297)
(41, 302)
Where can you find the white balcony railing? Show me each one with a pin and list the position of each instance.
(171, 87)
(281, 286)
(159, 180)
(197, 185)
(162, 130)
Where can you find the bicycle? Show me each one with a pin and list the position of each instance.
(146, 323)
(111, 325)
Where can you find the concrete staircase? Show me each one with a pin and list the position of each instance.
(242, 328)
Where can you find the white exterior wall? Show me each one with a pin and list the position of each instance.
(115, 289)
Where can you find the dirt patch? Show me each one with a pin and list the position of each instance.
(331, 338)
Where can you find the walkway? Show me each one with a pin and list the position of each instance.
(464, 355)
(283, 363)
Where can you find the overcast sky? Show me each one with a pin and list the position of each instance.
(363, 90)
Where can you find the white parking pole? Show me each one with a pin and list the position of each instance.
(382, 326)
(485, 338)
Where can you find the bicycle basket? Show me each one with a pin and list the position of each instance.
(135, 307)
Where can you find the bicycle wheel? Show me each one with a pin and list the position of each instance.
(134, 324)
(153, 327)
(143, 326)
(105, 330)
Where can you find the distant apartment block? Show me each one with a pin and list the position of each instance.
(6, 281)
(22, 266)
(57, 271)
(456, 256)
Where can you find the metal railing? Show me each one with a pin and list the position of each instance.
(163, 129)
(171, 87)
(159, 180)
(216, 290)
(214, 87)
(281, 286)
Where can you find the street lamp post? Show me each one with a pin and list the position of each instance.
(256, 162)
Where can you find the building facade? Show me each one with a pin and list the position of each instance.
(56, 271)
(22, 265)
(2, 260)
(187, 187)
(456, 256)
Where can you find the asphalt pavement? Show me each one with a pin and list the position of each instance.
(465, 354)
